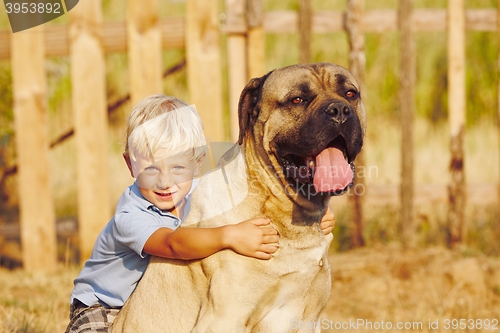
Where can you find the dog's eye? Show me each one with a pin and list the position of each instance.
(351, 94)
(297, 100)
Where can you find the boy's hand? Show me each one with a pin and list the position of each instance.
(328, 221)
(253, 238)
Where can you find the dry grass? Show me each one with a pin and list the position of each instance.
(391, 285)
(373, 284)
(35, 303)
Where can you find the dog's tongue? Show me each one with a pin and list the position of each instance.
(332, 172)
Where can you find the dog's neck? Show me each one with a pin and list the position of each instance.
(244, 179)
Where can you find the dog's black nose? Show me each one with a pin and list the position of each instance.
(339, 111)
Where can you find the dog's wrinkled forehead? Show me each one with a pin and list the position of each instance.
(318, 85)
(300, 79)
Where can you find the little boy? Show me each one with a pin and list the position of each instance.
(164, 151)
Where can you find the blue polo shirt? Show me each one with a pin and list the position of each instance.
(118, 262)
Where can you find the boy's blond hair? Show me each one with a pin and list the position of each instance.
(160, 126)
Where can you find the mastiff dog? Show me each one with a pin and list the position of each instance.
(301, 128)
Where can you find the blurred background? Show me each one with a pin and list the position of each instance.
(428, 256)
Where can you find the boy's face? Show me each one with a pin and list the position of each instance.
(165, 182)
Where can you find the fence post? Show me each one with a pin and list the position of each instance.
(305, 31)
(204, 65)
(37, 224)
(88, 77)
(456, 114)
(237, 63)
(498, 97)
(407, 104)
(256, 42)
(357, 64)
(144, 49)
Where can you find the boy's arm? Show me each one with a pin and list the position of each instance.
(251, 238)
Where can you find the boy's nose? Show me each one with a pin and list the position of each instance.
(164, 181)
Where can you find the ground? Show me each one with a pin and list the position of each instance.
(376, 289)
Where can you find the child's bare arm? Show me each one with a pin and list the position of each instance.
(253, 238)
(328, 221)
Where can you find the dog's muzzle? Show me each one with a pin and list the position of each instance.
(329, 172)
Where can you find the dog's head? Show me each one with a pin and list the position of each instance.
(308, 121)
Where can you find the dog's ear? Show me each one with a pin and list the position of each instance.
(247, 106)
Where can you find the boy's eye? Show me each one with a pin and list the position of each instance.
(151, 169)
(179, 167)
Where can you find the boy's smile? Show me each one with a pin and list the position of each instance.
(166, 196)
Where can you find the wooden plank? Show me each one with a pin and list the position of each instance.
(357, 66)
(88, 77)
(256, 38)
(237, 65)
(113, 37)
(429, 19)
(280, 21)
(66, 227)
(376, 21)
(38, 233)
(407, 78)
(380, 21)
(498, 90)
(204, 65)
(305, 31)
(481, 20)
(328, 21)
(456, 117)
(144, 49)
(256, 51)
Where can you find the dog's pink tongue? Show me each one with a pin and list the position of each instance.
(332, 172)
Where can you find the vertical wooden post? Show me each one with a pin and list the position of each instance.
(498, 97)
(204, 64)
(357, 64)
(237, 64)
(88, 77)
(144, 49)
(256, 42)
(456, 115)
(305, 31)
(38, 232)
(407, 77)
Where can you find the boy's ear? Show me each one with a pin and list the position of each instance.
(198, 165)
(126, 157)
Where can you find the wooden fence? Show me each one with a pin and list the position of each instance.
(87, 38)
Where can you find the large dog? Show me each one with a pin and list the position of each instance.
(300, 129)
